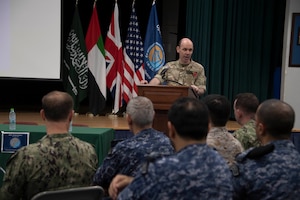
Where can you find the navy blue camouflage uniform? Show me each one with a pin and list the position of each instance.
(268, 172)
(127, 156)
(195, 172)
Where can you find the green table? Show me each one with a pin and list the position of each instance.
(100, 137)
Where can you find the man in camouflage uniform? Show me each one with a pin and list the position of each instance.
(218, 136)
(194, 172)
(56, 161)
(271, 171)
(128, 155)
(244, 106)
(184, 71)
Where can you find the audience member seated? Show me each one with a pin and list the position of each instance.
(195, 172)
(244, 106)
(127, 156)
(218, 136)
(271, 171)
(57, 161)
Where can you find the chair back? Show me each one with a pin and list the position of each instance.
(79, 193)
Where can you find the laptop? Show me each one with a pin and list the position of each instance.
(12, 141)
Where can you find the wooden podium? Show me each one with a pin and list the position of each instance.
(162, 97)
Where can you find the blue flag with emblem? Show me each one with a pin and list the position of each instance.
(153, 49)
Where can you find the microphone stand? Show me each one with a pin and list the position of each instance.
(194, 93)
(163, 75)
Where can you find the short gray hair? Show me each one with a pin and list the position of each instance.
(141, 111)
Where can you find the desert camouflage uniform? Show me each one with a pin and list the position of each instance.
(55, 162)
(221, 140)
(247, 135)
(195, 172)
(128, 155)
(178, 74)
(268, 172)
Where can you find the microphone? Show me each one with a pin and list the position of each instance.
(166, 80)
(194, 94)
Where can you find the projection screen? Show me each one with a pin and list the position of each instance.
(30, 39)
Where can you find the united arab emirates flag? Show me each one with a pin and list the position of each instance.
(96, 65)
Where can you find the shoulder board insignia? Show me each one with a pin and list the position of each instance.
(260, 151)
(150, 159)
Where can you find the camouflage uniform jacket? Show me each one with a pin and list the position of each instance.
(54, 162)
(268, 172)
(195, 172)
(221, 140)
(187, 75)
(128, 155)
(247, 135)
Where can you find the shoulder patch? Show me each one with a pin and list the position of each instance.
(260, 151)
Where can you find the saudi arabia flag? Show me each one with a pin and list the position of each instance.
(75, 71)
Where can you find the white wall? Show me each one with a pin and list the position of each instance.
(290, 79)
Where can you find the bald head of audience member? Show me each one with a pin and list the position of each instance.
(57, 111)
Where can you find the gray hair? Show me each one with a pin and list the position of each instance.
(141, 111)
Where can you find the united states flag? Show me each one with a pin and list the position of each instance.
(133, 57)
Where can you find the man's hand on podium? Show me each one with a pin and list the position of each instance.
(144, 82)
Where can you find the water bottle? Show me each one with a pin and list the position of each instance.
(12, 119)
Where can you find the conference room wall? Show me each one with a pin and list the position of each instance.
(290, 89)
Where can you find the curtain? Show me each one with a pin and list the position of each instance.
(239, 43)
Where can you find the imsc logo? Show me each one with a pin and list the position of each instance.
(155, 56)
